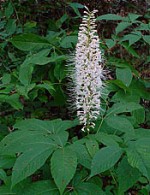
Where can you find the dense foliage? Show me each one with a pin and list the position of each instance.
(42, 149)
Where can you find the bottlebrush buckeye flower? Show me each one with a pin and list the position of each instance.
(87, 75)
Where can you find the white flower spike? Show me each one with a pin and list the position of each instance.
(87, 76)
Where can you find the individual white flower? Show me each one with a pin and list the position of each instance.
(87, 76)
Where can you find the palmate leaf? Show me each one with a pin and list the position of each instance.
(105, 159)
(63, 167)
(28, 162)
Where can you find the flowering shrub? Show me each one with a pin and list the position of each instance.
(43, 154)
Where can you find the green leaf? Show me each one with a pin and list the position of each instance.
(110, 43)
(69, 41)
(87, 188)
(14, 101)
(24, 90)
(146, 38)
(83, 156)
(127, 176)
(108, 140)
(133, 16)
(132, 38)
(139, 115)
(45, 187)
(46, 85)
(11, 26)
(75, 7)
(25, 73)
(30, 161)
(120, 84)
(122, 108)
(29, 42)
(6, 162)
(124, 75)
(3, 175)
(121, 26)
(9, 10)
(105, 159)
(51, 127)
(22, 141)
(138, 155)
(130, 49)
(110, 17)
(92, 147)
(63, 167)
(6, 78)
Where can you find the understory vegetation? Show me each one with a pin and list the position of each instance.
(43, 150)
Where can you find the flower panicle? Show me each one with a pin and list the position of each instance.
(87, 72)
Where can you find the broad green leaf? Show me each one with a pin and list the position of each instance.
(146, 38)
(105, 159)
(142, 133)
(14, 101)
(21, 141)
(124, 75)
(61, 138)
(143, 26)
(24, 90)
(46, 85)
(120, 63)
(130, 49)
(92, 146)
(6, 162)
(138, 155)
(125, 97)
(87, 188)
(25, 73)
(59, 72)
(132, 38)
(29, 42)
(3, 175)
(63, 167)
(123, 108)
(107, 139)
(45, 187)
(109, 17)
(52, 126)
(120, 124)
(69, 41)
(121, 26)
(83, 156)
(139, 115)
(6, 78)
(110, 43)
(5, 190)
(30, 161)
(75, 7)
(9, 10)
(127, 176)
(11, 26)
(133, 16)
(120, 84)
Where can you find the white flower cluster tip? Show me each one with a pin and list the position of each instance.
(88, 72)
